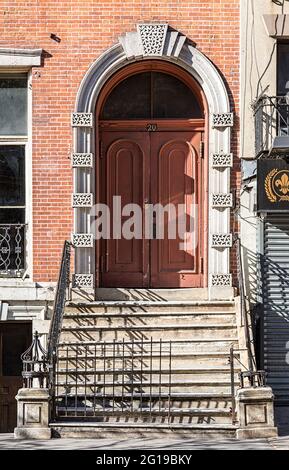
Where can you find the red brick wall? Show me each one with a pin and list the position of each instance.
(86, 29)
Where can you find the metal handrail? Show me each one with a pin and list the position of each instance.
(61, 295)
(35, 365)
(255, 378)
(251, 370)
(245, 312)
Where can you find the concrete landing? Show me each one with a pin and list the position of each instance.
(154, 295)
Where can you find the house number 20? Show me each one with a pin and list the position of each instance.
(151, 127)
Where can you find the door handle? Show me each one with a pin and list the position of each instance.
(154, 230)
(153, 223)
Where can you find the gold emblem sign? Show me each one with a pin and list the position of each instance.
(277, 185)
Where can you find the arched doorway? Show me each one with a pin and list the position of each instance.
(150, 141)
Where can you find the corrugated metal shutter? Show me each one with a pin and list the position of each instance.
(275, 266)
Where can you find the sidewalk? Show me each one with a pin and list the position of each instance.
(7, 442)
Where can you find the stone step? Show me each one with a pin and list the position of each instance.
(196, 346)
(189, 397)
(145, 378)
(150, 319)
(170, 332)
(145, 312)
(182, 359)
(118, 294)
(174, 400)
(156, 410)
(198, 385)
(148, 307)
(78, 430)
(146, 369)
(177, 415)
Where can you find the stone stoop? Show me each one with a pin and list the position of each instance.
(111, 377)
(80, 430)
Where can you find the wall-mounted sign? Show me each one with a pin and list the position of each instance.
(273, 185)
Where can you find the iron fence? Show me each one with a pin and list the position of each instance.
(140, 381)
(119, 378)
(35, 365)
(246, 314)
(62, 294)
(12, 250)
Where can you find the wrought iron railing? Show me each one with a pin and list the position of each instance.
(271, 114)
(38, 364)
(140, 381)
(61, 295)
(115, 378)
(12, 250)
(249, 375)
(246, 320)
(35, 365)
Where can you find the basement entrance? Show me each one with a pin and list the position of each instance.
(15, 338)
(151, 135)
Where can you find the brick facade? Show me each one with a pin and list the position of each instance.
(86, 29)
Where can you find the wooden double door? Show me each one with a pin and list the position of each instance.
(152, 170)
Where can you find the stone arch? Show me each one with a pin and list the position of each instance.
(155, 41)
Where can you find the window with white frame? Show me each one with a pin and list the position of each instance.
(13, 139)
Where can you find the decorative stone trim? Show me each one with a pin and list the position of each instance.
(152, 38)
(82, 240)
(82, 200)
(221, 280)
(222, 160)
(20, 57)
(82, 281)
(181, 51)
(81, 119)
(82, 160)
(223, 120)
(222, 240)
(222, 200)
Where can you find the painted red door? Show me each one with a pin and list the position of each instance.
(159, 168)
(175, 181)
(124, 262)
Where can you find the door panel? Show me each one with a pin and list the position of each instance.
(175, 168)
(15, 338)
(157, 168)
(125, 166)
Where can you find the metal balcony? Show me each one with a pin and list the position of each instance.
(271, 114)
(12, 250)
